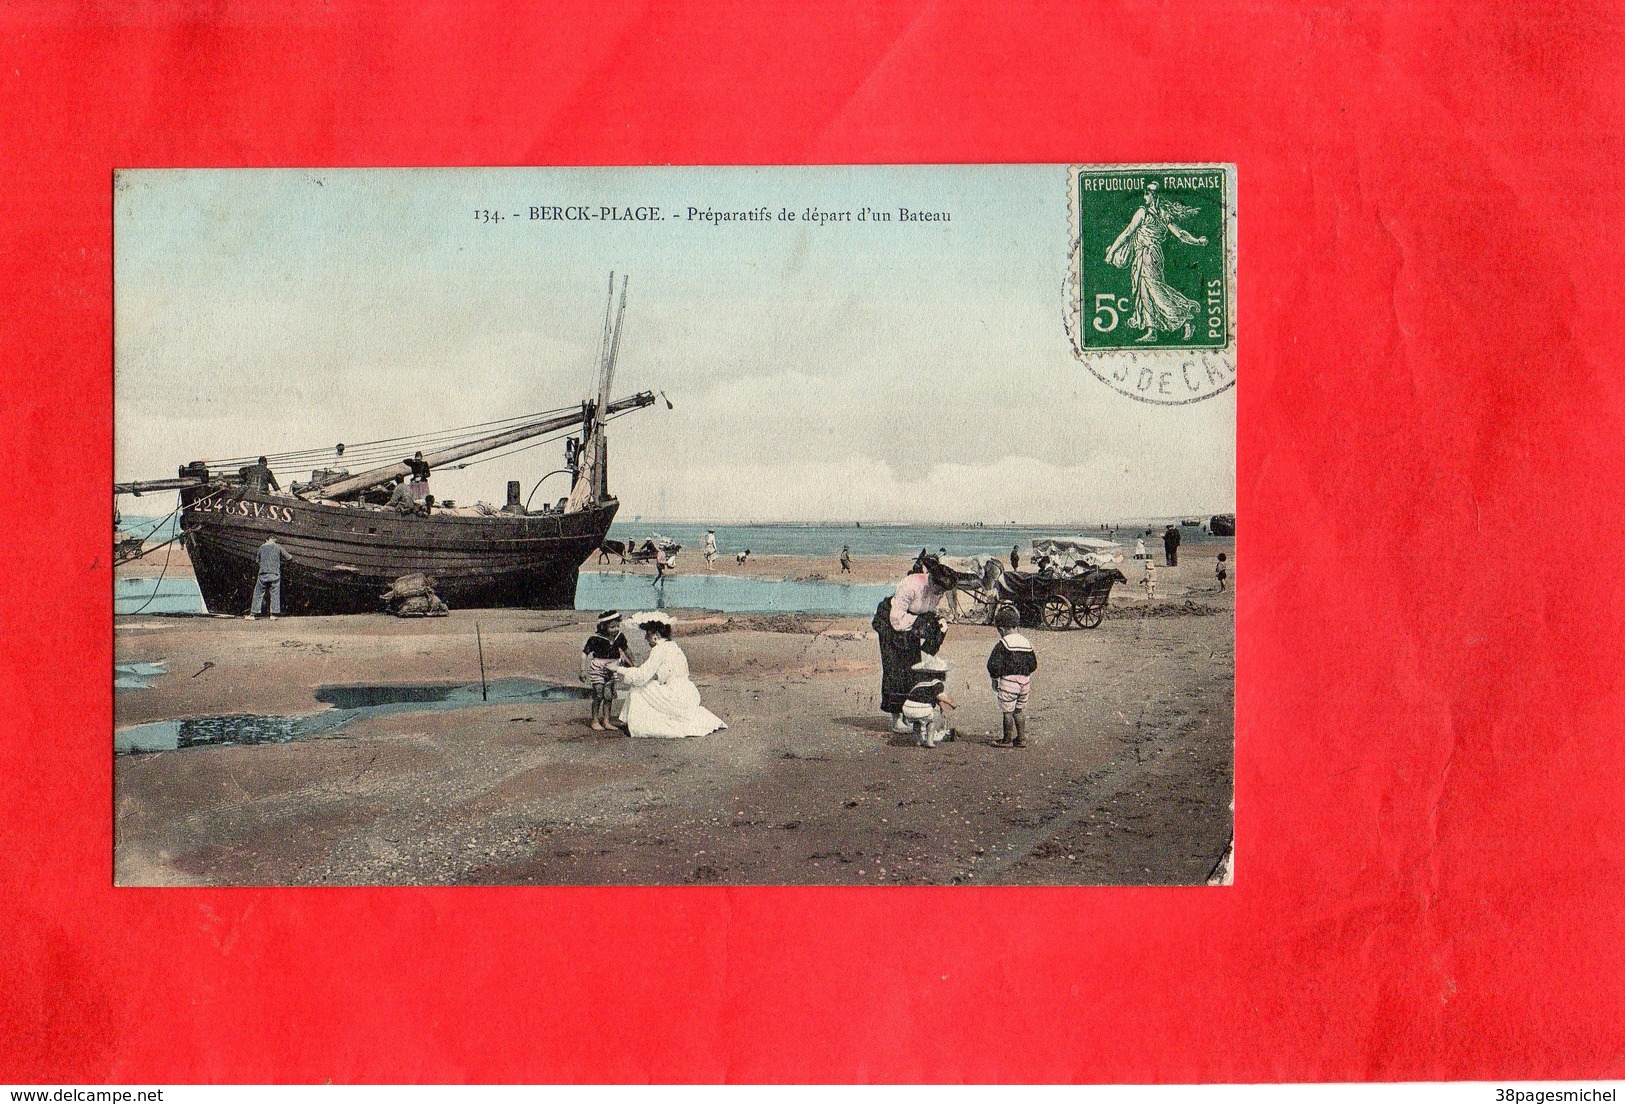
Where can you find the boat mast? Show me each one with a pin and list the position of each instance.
(593, 484)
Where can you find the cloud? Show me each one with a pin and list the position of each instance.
(886, 373)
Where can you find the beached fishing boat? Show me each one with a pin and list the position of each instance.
(346, 547)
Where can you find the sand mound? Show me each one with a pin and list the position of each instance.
(1188, 608)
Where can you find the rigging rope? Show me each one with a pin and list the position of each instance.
(388, 445)
(168, 549)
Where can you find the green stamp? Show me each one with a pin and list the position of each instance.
(1151, 299)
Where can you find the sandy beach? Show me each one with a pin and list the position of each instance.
(1128, 782)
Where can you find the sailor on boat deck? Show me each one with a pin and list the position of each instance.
(259, 476)
(401, 500)
(420, 475)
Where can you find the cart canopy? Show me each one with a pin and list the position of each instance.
(1077, 551)
(1075, 545)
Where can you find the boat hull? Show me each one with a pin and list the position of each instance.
(342, 558)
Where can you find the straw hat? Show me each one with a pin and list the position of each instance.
(654, 617)
(934, 664)
(609, 619)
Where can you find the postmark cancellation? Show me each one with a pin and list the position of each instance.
(1151, 288)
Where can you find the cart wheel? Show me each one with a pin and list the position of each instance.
(1058, 611)
(977, 611)
(1090, 614)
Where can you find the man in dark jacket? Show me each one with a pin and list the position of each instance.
(1170, 545)
(419, 485)
(259, 476)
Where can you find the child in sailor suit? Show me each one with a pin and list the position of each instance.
(1011, 665)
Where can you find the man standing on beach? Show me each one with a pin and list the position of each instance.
(271, 555)
(846, 559)
(1170, 545)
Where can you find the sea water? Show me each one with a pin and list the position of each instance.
(820, 541)
(616, 590)
(825, 541)
(179, 595)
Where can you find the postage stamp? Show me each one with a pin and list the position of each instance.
(1151, 294)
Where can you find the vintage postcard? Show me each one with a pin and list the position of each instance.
(840, 525)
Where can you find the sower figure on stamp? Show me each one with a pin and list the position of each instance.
(1157, 306)
(271, 555)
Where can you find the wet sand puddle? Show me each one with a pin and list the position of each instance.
(727, 594)
(138, 676)
(156, 596)
(350, 703)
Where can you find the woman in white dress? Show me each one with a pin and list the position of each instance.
(661, 700)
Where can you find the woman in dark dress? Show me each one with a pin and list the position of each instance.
(908, 626)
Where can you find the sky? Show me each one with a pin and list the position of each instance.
(901, 371)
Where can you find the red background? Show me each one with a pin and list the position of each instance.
(1430, 702)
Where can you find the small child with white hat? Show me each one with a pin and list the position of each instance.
(923, 706)
(605, 649)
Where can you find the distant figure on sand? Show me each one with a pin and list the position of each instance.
(742, 557)
(846, 560)
(1150, 580)
(1015, 557)
(662, 702)
(1139, 547)
(1219, 571)
(1011, 665)
(907, 625)
(1170, 545)
(710, 546)
(271, 555)
(605, 650)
